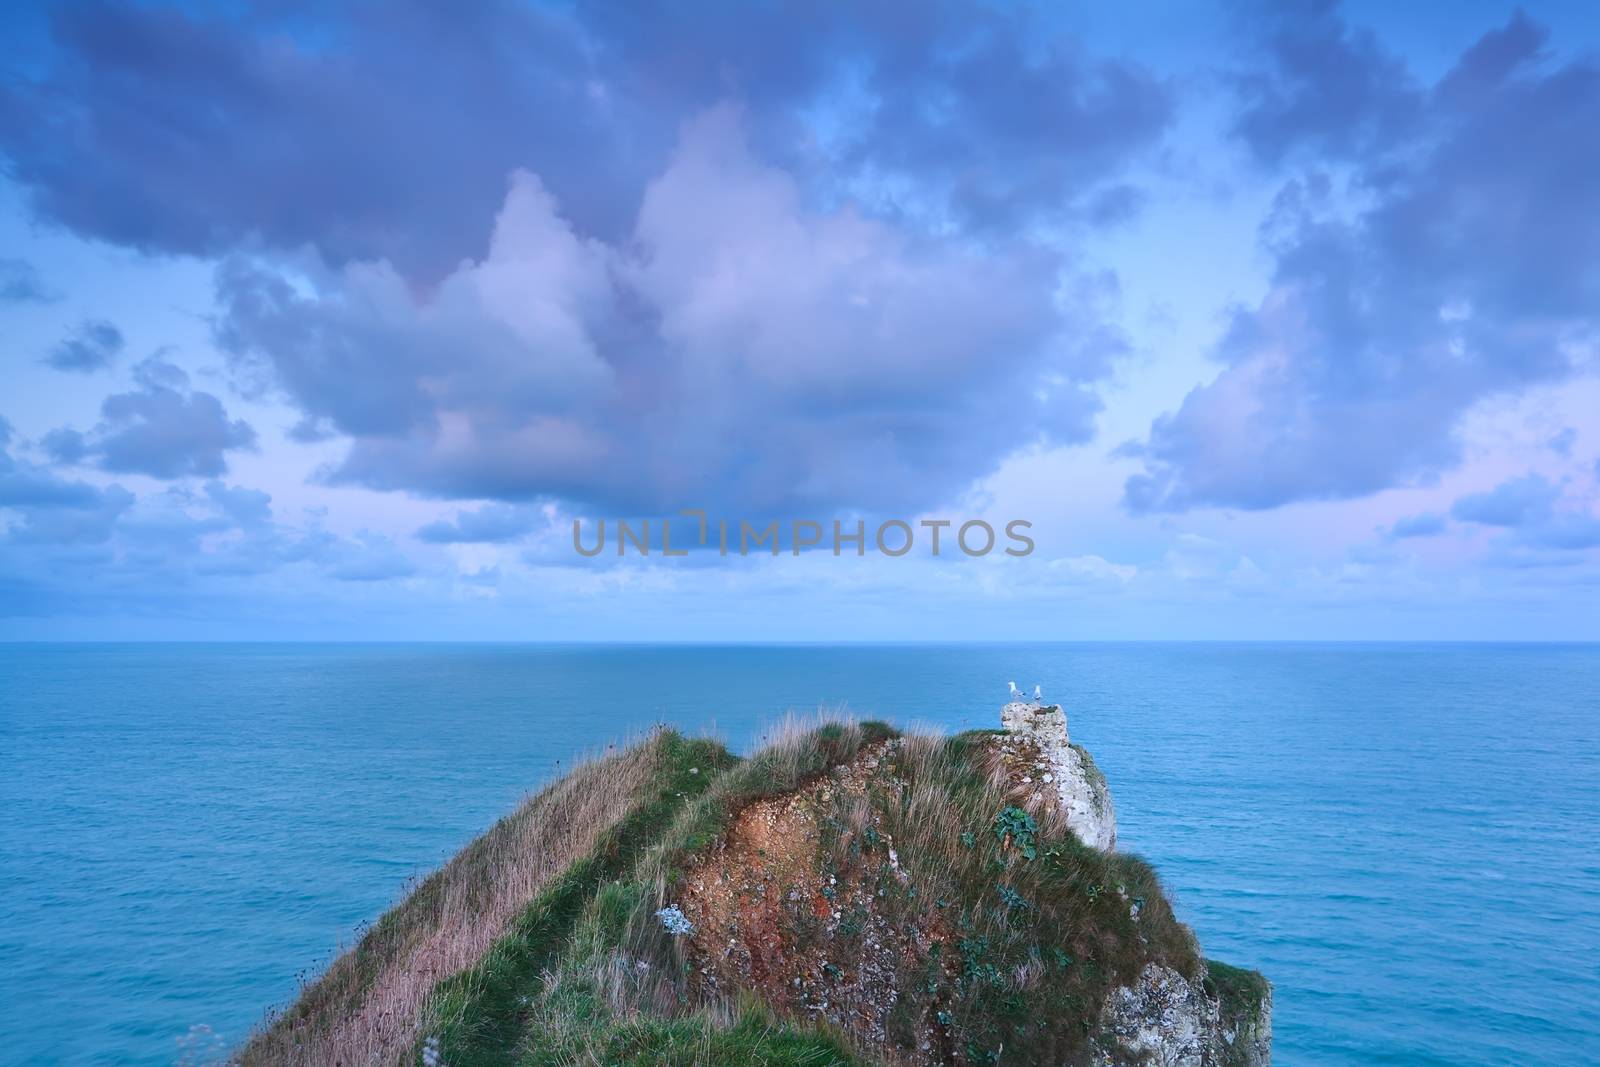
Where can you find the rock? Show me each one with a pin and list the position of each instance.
(1082, 788)
(1165, 1018)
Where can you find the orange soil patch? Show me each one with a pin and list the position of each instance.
(793, 904)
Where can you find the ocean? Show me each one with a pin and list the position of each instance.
(1403, 837)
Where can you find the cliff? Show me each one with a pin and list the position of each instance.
(846, 896)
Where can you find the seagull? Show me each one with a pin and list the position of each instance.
(1038, 696)
(1016, 694)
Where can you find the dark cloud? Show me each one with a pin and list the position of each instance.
(387, 130)
(62, 526)
(1325, 89)
(94, 345)
(1427, 524)
(310, 431)
(739, 349)
(51, 509)
(861, 318)
(67, 546)
(161, 429)
(490, 524)
(65, 446)
(1464, 262)
(20, 284)
(24, 485)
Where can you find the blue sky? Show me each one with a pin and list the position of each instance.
(326, 321)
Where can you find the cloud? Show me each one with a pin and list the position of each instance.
(740, 349)
(490, 524)
(1528, 506)
(369, 558)
(1327, 89)
(1093, 569)
(93, 347)
(25, 485)
(49, 509)
(1427, 524)
(246, 507)
(20, 284)
(162, 429)
(1514, 503)
(163, 129)
(1460, 265)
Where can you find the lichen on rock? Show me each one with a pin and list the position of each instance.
(1167, 1019)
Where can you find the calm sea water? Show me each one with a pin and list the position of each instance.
(1406, 839)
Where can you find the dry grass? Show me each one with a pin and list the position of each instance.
(365, 1009)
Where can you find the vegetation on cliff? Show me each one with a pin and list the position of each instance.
(847, 895)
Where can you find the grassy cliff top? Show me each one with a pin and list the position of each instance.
(846, 895)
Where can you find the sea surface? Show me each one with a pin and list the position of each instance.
(1404, 838)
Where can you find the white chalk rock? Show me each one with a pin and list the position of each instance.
(1084, 795)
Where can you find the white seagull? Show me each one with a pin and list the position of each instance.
(1016, 694)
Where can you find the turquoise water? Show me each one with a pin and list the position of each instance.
(1403, 837)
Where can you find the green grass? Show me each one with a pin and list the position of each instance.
(479, 1015)
(756, 1038)
(1241, 993)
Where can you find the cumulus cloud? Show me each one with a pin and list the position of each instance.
(1462, 262)
(162, 429)
(740, 348)
(176, 130)
(92, 347)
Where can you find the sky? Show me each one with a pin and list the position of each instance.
(329, 321)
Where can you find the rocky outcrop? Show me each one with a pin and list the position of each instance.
(1220, 1017)
(1082, 788)
(848, 894)
(1172, 1021)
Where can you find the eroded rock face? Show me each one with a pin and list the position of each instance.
(1081, 786)
(1169, 1020)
